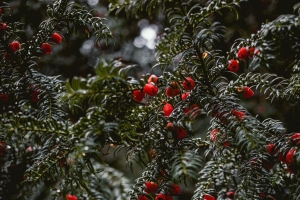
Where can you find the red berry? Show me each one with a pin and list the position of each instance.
(268, 164)
(161, 196)
(243, 53)
(281, 157)
(180, 132)
(151, 187)
(195, 110)
(239, 115)
(289, 156)
(185, 95)
(3, 27)
(169, 197)
(152, 154)
(71, 197)
(213, 135)
(14, 46)
(295, 139)
(35, 96)
(151, 89)
(189, 83)
(169, 126)
(230, 195)
(248, 92)
(175, 189)
(226, 144)
(56, 37)
(6, 56)
(47, 48)
(172, 92)
(4, 97)
(208, 197)
(153, 78)
(138, 95)
(142, 197)
(271, 149)
(233, 65)
(251, 52)
(168, 109)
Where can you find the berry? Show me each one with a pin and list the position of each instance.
(161, 196)
(233, 65)
(189, 83)
(56, 37)
(268, 163)
(243, 53)
(142, 197)
(251, 52)
(208, 197)
(168, 109)
(14, 46)
(175, 189)
(226, 144)
(169, 126)
(248, 92)
(151, 89)
(47, 48)
(153, 78)
(151, 187)
(239, 115)
(169, 197)
(180, 132)
(3, 27)
(172, 92)
(195, 110)
(35, 96)
(295, 139)
(138, 95)
(4, 97)
(6, 56)
(213, 135)
(71, 197)
(289, 156)
(281, 157)
(185, 95)
(271, 149)
(230, 195)
(152, 154)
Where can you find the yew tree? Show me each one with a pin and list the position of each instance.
(216, 117)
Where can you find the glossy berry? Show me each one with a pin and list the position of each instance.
(208, 197)
(161, 196)
(169, 126)
(14, 46)
(168, 109)
(271, 149)
(185, 95)
(138, 95)
(289, 156)
(226, 144)
(295, 139)
(233, 65)
(175, 189)
(71, 197)
(243, 53)
(56, 38)
(153, 78)
(35, 96)
(3, 27)
(151, 89)
(142, 197)
(47, 48)
(230, 195)
(4, 97)
(248, 92)
(180, 132)
(151, 187)
(239, 115)
(172, 92)
(213, 135)
(189, 83)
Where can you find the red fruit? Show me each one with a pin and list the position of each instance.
(208, 197)
(3, 27)
(195, 110)
(4, 97)
(169, 126)
(56, 37)
(243, 53)
(289, 156)
(151, 187)
(180, 132)
(226, 144)
(295, 139)
(142, 197)
(230, 195)
(233, 65)
(35, 96)
(185, 95)
(281, 157)
(152, 154)
(71, 197)
(151, 89)
(169, 197)
(189, 83)
(161, 196)
(14, 46)
(6, 56)
(268, 164)
(168, 109)
(172, 92)
(47, 48)
(248, 92)
(213, 135)
(175, 189)
(138, 95)
(239, 115)
(271, 149)
(251, 52)
(153, 78)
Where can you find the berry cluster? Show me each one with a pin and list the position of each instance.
(152, 188)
